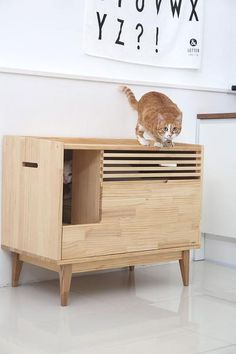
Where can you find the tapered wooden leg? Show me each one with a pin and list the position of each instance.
(16, 268)
(131, 268)
(184, 267)
(65, 274)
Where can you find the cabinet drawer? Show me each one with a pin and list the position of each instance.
(138, 216)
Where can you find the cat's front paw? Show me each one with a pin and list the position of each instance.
(157, 144)
(168, 143)
(143, 141)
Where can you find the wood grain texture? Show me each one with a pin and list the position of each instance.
(137, 217)
(124, 261)
(152, 162)
(129, 256)
(30, 255)
(86, 187)
(217, 116)
(184, 267)
(115, 144)
(148, 168)
(144, 154)
(32, 197)
(65, 274)
(150, 175)
(37, 261)
(16, 268)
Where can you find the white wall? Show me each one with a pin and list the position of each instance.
(47, 35)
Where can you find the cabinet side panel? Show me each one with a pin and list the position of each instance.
(13, 152)
(32, 196)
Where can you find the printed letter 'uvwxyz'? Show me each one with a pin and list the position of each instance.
(118, 41)
(100, 24)
(193, 13)
(158, 5)
(140, 9)
(175, 7)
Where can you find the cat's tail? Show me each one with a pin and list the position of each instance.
(131, 98)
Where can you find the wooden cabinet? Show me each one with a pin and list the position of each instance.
(129, 204)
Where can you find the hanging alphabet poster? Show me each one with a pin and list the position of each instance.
(166, 33)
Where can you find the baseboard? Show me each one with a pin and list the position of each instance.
(199, 254)
(220, 249)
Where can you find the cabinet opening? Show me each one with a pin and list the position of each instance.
(67, 186)
(82, 192)
(163, 164)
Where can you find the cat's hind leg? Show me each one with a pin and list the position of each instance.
(139, 134)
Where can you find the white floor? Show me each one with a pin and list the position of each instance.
(144, 312)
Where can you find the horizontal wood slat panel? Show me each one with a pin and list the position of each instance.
(162, 164)
(148, 168)
(151, 162)
(145, 175)
(140, 154)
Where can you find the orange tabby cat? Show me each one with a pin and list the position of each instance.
(158, 116)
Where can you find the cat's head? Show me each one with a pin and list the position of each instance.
(169, 127)
(67, 173)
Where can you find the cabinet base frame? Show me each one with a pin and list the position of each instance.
(67, 270)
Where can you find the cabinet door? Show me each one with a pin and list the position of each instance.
(32, 196)
(219, 197)
(139, 216)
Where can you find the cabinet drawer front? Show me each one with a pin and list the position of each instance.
(138, 216)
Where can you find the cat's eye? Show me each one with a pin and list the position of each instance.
(174, 129)
(165, 129)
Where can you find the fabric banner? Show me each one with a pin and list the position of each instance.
(166, 33)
